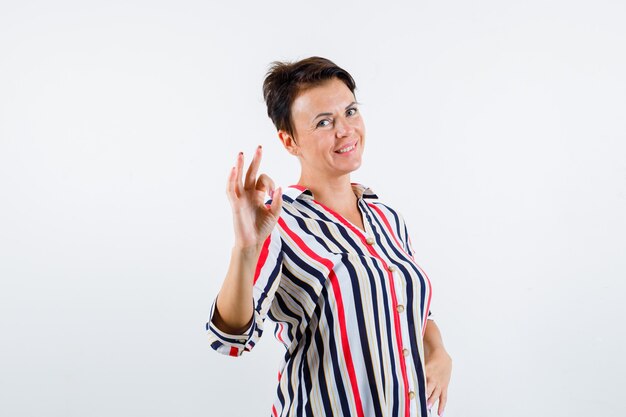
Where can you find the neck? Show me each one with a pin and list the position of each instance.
(336, 192)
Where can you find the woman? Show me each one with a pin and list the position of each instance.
(330, 263)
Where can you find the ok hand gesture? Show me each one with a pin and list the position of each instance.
(252, 219)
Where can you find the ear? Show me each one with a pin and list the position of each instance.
(288, 142)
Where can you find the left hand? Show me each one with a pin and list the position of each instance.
(438, 371)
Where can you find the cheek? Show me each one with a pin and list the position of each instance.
(320, 144)
(359, 125)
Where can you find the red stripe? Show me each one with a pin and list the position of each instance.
(280, 331)
(381, 214)
(340, 312)
(396, 323)
(396, 316)
(234, 351)
(346, 223)
(394, 300)
(274, 411)
(262, 257)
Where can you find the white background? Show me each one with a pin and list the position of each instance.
(496, 127)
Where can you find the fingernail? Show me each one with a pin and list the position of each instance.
(240, 153)
(429, 405)
(260, 146)
(271, 193)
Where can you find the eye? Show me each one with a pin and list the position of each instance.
(323, 123)
(352, 111)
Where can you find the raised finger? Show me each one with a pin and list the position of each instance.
(239, 170)
(253, 169)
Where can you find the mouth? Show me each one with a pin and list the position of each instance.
(347, 148)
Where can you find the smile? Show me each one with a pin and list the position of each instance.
(347, 148)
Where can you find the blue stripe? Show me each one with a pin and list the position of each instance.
(303, 304)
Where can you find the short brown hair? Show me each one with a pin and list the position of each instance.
(284, 80)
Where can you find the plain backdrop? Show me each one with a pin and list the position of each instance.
(497, 128)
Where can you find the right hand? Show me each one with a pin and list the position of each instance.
(252, 219)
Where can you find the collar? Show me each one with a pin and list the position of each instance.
(298, 191)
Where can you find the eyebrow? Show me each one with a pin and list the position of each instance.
(330, 114)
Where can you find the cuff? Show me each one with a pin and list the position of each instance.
(225, 343)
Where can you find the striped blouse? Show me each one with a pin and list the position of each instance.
(350, 307)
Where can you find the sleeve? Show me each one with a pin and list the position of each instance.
(408, 247)
(266, 281)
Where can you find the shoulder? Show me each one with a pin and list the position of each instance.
(383, 211)
(386, 213)
(373, 200)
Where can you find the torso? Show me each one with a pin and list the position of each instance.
(330, 291)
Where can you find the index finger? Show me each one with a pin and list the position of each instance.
(253, 169)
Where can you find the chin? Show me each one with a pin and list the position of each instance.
(353, 167)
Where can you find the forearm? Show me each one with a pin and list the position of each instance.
(234, 308)
(432, 338)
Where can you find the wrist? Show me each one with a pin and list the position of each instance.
(247, 251)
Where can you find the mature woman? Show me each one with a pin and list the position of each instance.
(330, 264)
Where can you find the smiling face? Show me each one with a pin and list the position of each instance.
(328, 129)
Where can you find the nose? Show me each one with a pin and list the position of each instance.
(343, 127)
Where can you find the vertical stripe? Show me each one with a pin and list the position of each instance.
(340, 310)
(342, 316)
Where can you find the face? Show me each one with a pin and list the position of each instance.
(328, 130)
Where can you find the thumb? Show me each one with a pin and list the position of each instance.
(277, 202)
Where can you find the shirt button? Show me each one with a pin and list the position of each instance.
(411, 394)
(369, 240)
(405, 352)
(399, 308)
(392, 268)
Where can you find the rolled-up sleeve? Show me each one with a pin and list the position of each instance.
(228, 344)
(266, 279)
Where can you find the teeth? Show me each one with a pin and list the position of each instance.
(346, 149)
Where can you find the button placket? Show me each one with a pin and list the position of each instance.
(413, 386)
(400, 308)
(413, 401)
(406, 351)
